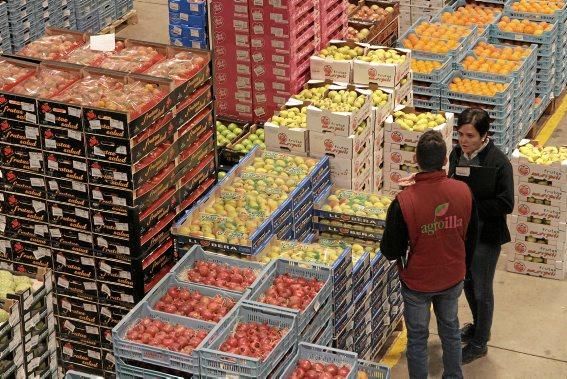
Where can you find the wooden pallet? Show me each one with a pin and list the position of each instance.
(130, 18)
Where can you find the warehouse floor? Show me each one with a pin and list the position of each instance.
(529, 335)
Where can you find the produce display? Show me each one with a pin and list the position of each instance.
(287, 166)
(226, 134)
(371, 13)
(340, 101)
(13, 284)
(4, 316)
(46, 82)
(218, 275)
(389, 56)
(157, 333)
(291, 118)
(342, 53)
(251, 140)
(476, 87)
(543, 155)
(84, 55)
(52, 47)
(307, 369)
(379, 98)
(10, 74)
(419, 122)
(524, 26)
(422, 66)
(358, 246)
(357, 204)
(132, 59)
(430, 44)
(537, 7)
(291, 292)
(357, 35)
(509, 53)
(233, 204)
(442, 31)
(111, 93)
(472, 14)
(313, 252)
(492, 66)
(314, 93)
(180, 67)
(252, 339)
(184, 302)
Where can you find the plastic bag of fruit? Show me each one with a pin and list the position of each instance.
(46, 82)
(87, 57)
(52, 47)
(132, 59)
(181, 67)
(11, 74)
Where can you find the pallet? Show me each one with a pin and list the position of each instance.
(130, 18)
(551, 108)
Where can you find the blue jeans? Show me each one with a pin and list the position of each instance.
(416, 314)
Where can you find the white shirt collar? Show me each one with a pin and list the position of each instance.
(476, 152)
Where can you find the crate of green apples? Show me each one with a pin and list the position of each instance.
(244, 144)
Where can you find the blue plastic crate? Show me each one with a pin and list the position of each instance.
(196, 253)
(89, 21)
(545, 63)
(127, 371)
(123, 7)
(495, 113)
(84, 7)
(213, 361)
(436, 76)
(557, 16)
(129, 350)
(433, 104)
(431, 89)
(298, 269)
(546, 38)
(501, 98)
(325, 355)
(107, 13)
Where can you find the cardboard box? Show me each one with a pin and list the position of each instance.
(540, 211)
(353, 174)
(379, 142)
(395, 134)
(549, 252)
(383, 74)
(377, 179)
(553, 270)
(539, 194)
(555, 173)
(338, 146)
(381, 113)
(399, 155)
(339, 123)
(330, 69)
(284, 138)
(403, 91)
(554, 234)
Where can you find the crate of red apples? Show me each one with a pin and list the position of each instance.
(313, 361)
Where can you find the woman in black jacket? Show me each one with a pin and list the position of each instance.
(476, 149)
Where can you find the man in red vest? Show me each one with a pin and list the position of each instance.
(431, 229)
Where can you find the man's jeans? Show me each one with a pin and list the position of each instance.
(479, 290)
(416, 314)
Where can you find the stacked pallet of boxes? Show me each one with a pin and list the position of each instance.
(333, 20)
(374, 22)
(59, 14)
(188, 24)
(26, 22)
(29, 347)
(98, 189)
(538, 224)
(92, 15)
(123, 7)
(362, 312)
(5, 41)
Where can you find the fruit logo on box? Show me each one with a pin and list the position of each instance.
(325, 121)
(216, 7)
(522, 228)
(519, 267)
(524, 190)
(372, 73)
(328, 70)
(220, 51)
(282, 138)
(524, 170)
(4, 126)
(11, 177)
(397, 137)
(15, 224)
(218, 20)
(45, 108)
(221, 78)
(12, 201)
(93, 141)
(520, 248)
(329, 145)
(221, 63)
(3, 100)
(18, 247)
(396, 157)
(222, 93)
(523, 209)
(91, 115)
(7, 151)
(395, 177)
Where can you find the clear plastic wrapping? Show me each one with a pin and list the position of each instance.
(52, 47)
(132, 59)
(46, 82)
(181, 67)
(87, 57)
(11, 74)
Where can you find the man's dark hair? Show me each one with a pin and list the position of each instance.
(431, 151)
(477, 117)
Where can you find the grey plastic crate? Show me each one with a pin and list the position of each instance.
(72, 374)
(325, 355)
(373, 370)
(126, 371)
(213, 361)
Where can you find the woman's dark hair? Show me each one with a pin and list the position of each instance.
(476, 117)
(431, 151)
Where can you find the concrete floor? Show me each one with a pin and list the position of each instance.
(529, 336)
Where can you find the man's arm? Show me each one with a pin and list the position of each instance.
(472, 235)
(394, 242)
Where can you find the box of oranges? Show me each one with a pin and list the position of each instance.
(431, 70)
(495, 92)
(550, 11)
(465, 14)
(525, 30)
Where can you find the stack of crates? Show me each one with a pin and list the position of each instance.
(92, 15)
(188, 24)
(427, 86)
(26, 22)
(333, 20)
(60, 14)
(5, 41)
(123, 7)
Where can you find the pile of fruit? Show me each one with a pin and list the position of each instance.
(307, 369)
(219, 275)
(180, 67)
(132, 59)
(253, 339)
(51, 47)
(423, 66)
(157, 333)
(287, 166)
(472, 14)
(476, 87)
(233, 204)
(489, 65)
(508, 53)
(263, 184)
(292, 292)
(543, 155)
(357, 35)
(379, 98)
(524, 26)
(13, 284)
(314, 93)
(358, 247)
(226, 134)
(291, 118)
(249, 141)
(538, 7)
(110, 93)
(10, 74)
(46, 82)
(343, 53)
(184, 302)
(429, 44)
(341, 101)
(312, 252)
(389, 56)
(372, 13)
(442, 31)
(418, 122)
(4, 316)
(357, 204)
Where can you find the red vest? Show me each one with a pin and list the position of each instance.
(437, 212)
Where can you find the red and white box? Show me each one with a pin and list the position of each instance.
(338, 146)
(377, 178)
(383, 74)
(539, 250)
(553, 234)
(555, 173)
(343, 175)
(539, 194)
(551, 269)
(399, 154)
(380, 113)
(284, 138)
(403, 92)
(540, 211)
(331, 69)
(396, 134)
